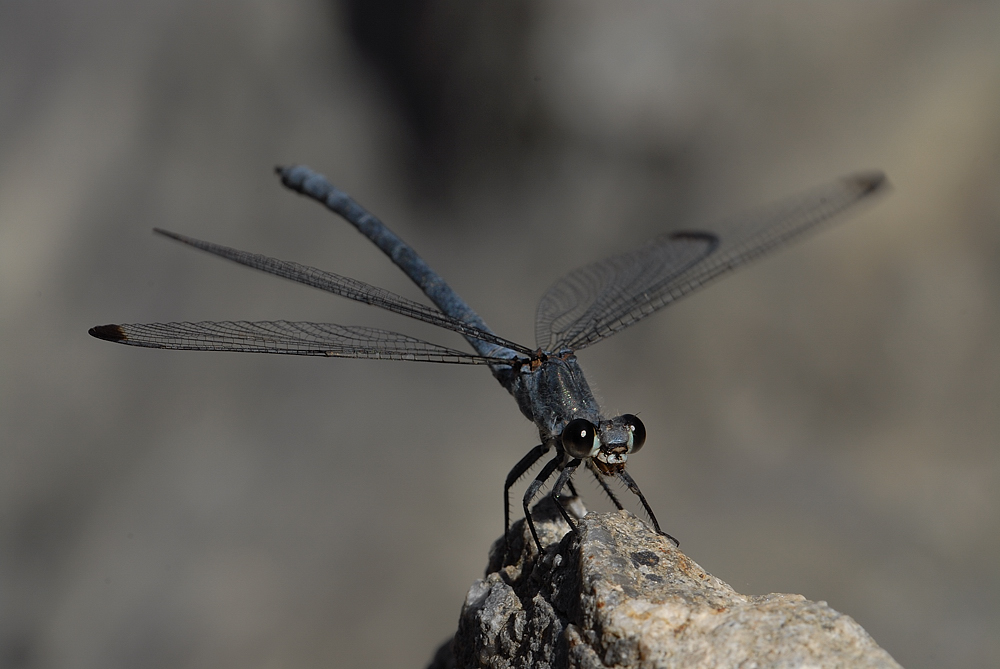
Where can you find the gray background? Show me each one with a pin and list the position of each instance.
(823, 423)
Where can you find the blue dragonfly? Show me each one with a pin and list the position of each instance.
(585, 306)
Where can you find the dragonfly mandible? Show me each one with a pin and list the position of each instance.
(585, 306)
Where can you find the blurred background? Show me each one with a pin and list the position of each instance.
(823, 423)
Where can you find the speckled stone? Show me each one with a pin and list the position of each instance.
(619, 595)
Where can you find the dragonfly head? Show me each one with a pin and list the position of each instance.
(609, 443)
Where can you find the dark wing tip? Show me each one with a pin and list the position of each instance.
(868, 182)
(176, 236)
(710, 239)
(108, 333)
(694, 234)
(167, 233)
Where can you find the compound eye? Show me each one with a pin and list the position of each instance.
(579, 438)
(637, 431)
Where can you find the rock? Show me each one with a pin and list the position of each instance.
(616, 594)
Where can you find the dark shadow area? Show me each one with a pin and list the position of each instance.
(460, 75)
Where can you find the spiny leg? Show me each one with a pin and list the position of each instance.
(604, 484)
(523, 465)
(561, 482)
(532, 491)
(624, 476)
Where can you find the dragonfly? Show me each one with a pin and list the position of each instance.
(585, 306)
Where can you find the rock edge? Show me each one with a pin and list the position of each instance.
(618, 595)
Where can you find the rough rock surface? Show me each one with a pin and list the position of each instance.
(618, 595)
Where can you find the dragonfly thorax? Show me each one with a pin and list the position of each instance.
(552, 391)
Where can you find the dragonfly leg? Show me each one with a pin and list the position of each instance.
(561, 482)
(572, 488)
(523, 465)
(624, 476)
(604, 485)
(532, 492)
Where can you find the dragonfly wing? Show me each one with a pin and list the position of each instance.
(352, 289)
(601, 299)
(291, 338)
(591, 298)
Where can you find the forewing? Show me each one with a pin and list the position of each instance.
(291, 338)
(598, 300)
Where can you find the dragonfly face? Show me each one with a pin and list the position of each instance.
(608, 444)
